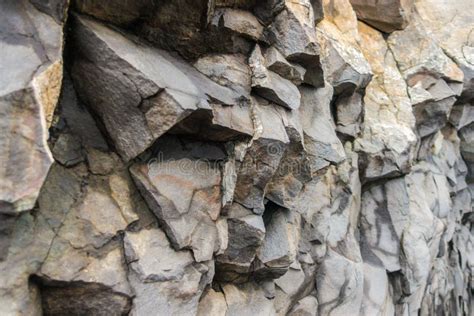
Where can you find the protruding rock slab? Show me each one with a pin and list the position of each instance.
(293, 31)
(271, 85)
(31, 67)
(142, 94)
(386, 16)
(246, 234)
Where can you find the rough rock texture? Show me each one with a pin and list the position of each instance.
(237, 157)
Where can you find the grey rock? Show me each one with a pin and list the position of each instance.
(293, 31)
(212, 303)
(432, 77)
(227, 70)
(32, 44)
(136, 131)
(461, 115)
(307, 306)
(387, 16)
(387, 141)
(242, 22)
(320, 139)
(246, 232)
(261, 157)
(189, 206)
(452, 35)
(247, 299)
(270, 85)
(278, 250)
(277, 63)
(170, 283)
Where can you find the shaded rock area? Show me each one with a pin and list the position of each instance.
(236, 157)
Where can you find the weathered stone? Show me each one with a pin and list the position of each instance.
(320, 139)
(339, 284)
(277, 63)
(462, 115)
(212, 303)
(163, 279)
(349, 112)
(293, 31)
(271, 85)
(242, 22)
(67, 150)
(451, 25)
(227, 70)
(115, 11)
(134, 132)
(246, 234)
(278, 250)
(32, 44)
(307, 306)
(261, 157)
(377, 298)
(387, 142)
(433, 79)
(386, 16)
(345, 67)
(247, 299)
(185, 195)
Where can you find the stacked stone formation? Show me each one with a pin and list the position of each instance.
(237, 157)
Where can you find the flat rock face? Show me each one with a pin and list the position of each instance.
(236, 157)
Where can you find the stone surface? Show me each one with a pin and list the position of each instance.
(32, 44)
(236, 157)
(271, 85)
(143, 122)
(386, 16)
(387, 140)
(451, 26)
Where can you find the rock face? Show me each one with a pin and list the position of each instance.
(237, 157)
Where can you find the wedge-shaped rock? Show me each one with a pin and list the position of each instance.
(256, 162)
(31, 45)
(462, 115)
(271, 85)
(387, 142)
(278, 250)
(320, 138)
(434, 81)
(228, 70)
(162, 278)
(185, 195)
(277, 63)
(142, 94)
(241, 22)
(345, 67)
(294, 34)
(386, 16)
(451, 26)
(246, 234)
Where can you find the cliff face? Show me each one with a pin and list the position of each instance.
(236, 157)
